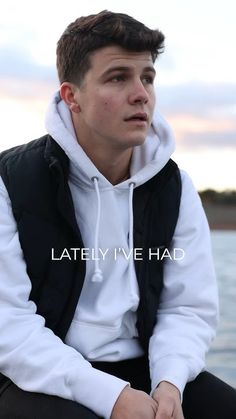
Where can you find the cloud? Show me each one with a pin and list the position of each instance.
(203, 132)
(209, 140)
(16, 62)
(202, 115)
(199, 98)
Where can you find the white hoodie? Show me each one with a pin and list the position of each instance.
(103, 327)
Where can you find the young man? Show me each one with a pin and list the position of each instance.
(106, 271)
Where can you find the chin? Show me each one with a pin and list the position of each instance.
(137, 140)
(127, 142)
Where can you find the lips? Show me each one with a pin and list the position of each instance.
(139, 116)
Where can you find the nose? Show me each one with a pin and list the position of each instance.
(138, 93)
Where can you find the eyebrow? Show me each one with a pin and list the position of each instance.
(127, 69)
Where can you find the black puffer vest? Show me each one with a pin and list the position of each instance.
(36, 176)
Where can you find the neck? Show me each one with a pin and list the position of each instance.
(113, 163)
(114, 166)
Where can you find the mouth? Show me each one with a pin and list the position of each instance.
(138, 117)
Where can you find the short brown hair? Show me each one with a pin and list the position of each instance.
(89, 33)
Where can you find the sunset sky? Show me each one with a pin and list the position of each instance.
(196, 75)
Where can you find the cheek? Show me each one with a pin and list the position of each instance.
(153, 99)
(152, 104)
(109, 106)
(110, 103)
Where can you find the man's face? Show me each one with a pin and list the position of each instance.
(116, 99)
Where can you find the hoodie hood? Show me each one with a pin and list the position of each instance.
(147, 159)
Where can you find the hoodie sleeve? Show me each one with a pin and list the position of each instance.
(188, 312)
(31, 355)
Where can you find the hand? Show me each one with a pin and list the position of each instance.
(167, 397)
(134, 404)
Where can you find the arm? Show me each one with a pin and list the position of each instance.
(188, 311)
(31, 355)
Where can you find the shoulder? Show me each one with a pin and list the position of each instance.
(192, 217)
(189, 191)
(22, 165)
(18, 151)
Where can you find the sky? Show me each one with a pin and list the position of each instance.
(195, 84)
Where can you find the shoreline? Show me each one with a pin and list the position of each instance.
(223, 227)
(220, 216)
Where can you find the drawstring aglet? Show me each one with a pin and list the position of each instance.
(97, 276)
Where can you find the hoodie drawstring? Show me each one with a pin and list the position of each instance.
(131, 217)
(97, 275)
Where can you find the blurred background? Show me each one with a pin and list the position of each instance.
(196, 93)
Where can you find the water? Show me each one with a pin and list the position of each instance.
(221, 359)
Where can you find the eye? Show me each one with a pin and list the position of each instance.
(148, 79)
(118, 78)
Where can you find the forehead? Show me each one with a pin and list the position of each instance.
(104, 58)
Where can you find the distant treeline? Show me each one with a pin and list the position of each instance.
(210, 196)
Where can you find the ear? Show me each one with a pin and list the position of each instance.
(69, 93)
